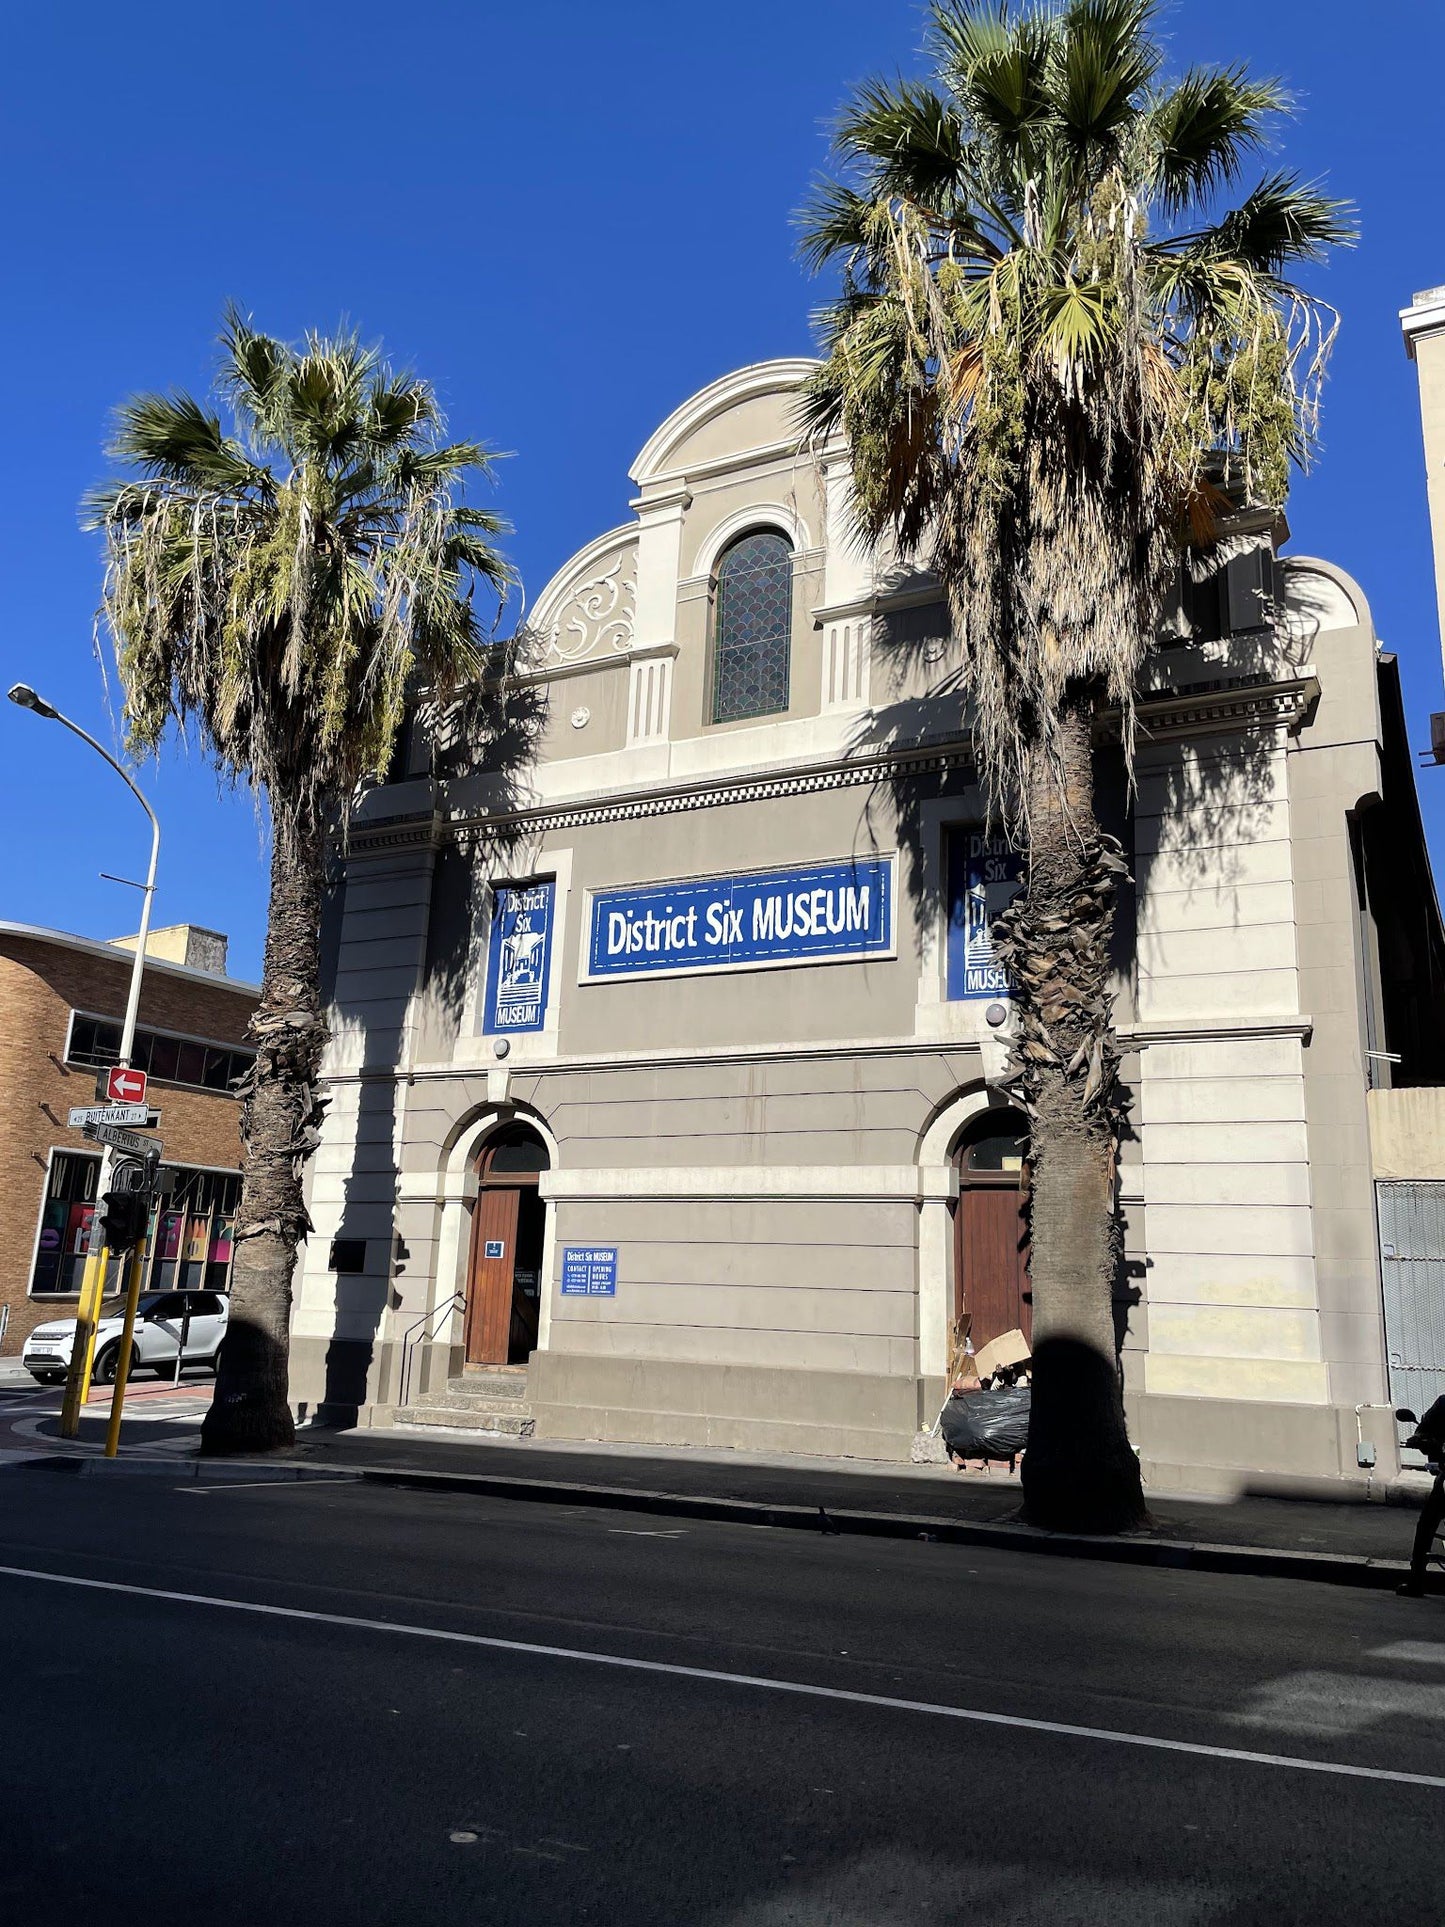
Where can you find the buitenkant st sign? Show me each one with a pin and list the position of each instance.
(85, 1114)
(834, 912)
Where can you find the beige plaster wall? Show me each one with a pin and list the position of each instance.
(1429, 350)
(1407, 1132)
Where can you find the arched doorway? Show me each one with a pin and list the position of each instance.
(991, 1254)
(504, 1273)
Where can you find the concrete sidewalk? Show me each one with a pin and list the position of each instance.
(1338, 1542)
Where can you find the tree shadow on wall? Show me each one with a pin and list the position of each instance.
(384, 1015)
(1184, 815)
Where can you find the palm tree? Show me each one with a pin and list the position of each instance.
(283, 583)
(1054, 356)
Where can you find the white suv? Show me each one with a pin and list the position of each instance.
(164, 1320)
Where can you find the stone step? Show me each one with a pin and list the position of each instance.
(490, 1389)
(475, 1416)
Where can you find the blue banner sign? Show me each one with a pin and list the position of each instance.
(984, 874)
(815, 914)
(589, 1271)
(519, 956)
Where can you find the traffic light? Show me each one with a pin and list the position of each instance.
(127, 1214)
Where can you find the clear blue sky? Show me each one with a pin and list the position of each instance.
(568, 215)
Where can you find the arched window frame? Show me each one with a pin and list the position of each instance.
(770, 682)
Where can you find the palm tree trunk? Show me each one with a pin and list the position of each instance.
(1079, 1473)
(250, 1411)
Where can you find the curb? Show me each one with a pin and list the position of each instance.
(1328, 1568)
(91, 1465)
(1184, 1555)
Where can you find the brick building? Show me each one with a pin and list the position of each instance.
(61, 1003)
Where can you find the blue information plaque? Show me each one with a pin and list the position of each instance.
(589, 1271)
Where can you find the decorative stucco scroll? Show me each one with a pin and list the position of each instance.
(598, 615)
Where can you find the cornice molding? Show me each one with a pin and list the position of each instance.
(1252, 705)
(1214, 1030)
(879, 602)
(587, 665)
(712, 793)
(1424, 316)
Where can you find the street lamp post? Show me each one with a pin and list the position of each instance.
(77, 1385)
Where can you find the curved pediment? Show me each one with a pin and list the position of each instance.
(589, 606)
(1318, 595)
(758, 402)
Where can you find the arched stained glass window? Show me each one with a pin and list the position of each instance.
(753, 628)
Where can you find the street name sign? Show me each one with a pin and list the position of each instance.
(124, 1085)
(109, 1114)
(127, 1141)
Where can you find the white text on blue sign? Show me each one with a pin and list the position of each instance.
(818, 914)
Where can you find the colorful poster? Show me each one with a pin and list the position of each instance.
(519, 957)
(984, 874)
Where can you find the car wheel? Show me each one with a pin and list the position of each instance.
(216, 1360)
(107, 1364)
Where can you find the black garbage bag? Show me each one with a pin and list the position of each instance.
(987, 1425)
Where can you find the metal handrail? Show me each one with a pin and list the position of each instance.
(413, 1336)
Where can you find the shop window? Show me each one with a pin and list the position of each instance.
(170, 1059)
(752, 628)
(189, 1244)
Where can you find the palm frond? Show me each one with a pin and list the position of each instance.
(172, 438)
(833, 221)
(1104, 60)
(996, 66)
(1284, 221)
(282, 597)
(1202, 129)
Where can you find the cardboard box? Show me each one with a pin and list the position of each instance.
(1009, 1348)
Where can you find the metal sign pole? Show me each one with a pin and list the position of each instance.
(185, 1334)
(127, 1340)
(87, 1316)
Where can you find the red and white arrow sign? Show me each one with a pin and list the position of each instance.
(123, 1086)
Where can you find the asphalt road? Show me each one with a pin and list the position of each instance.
(421, 1729)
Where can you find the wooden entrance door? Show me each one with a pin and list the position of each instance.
(489, 1288)
(991, 1256)
(504, 1277)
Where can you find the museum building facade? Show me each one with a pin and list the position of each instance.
(662, 1070)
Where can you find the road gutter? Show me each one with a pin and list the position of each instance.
(1273, 1562)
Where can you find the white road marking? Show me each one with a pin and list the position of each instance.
(1418, 1652)
(1322, 1703)
(969, 1714)
(197, 1491)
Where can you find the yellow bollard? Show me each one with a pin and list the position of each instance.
(82, 1352)
(127, 1337)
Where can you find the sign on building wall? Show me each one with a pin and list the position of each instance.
(819, 913)
(589, 1271)
(518, 956)
(983, 877)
